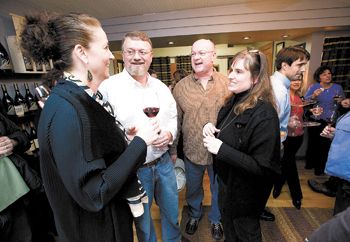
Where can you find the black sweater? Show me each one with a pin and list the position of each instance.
(249, 158)
(85, 164)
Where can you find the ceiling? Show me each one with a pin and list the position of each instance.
(104, 9)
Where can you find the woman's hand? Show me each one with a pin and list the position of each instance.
(212, 144)
(6, 145)
(209, 130)
(149, 132)
(317, 92)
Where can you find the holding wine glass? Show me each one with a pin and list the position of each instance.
(316, 111)
(150, 104)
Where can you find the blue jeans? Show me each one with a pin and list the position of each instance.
(159, 181)
(195, 192)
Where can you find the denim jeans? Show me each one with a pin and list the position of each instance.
(159, 181)
(195, 192)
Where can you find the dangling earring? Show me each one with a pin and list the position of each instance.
(89, 76)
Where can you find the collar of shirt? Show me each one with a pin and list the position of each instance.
(98, 97)
(283, 78)
(150, 80)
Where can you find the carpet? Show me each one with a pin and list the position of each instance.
(291, 225)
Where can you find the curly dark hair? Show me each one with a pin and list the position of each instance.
(53, 36)
(319, 71)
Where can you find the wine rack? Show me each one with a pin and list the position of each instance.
(162, 66)
(23, 64)
(22, 109)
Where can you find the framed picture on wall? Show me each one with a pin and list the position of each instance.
(301, 45)
(279, 46)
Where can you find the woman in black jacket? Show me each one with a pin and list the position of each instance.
(246, 147)
(88, 170)
(14, 218)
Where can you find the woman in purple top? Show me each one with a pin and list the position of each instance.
(327, 94)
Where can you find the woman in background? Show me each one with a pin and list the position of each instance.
(88, 169)
(246, 147)
(325, 92)
(19, 187)
(292, 145)
(178, 75)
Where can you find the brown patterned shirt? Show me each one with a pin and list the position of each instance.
(196, 107)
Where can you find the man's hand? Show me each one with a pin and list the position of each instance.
(164, 138)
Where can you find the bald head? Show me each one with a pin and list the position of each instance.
(204, 44)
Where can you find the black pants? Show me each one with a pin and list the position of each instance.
(242, 229)
(239, 229)
(317, 148)
(289, 167)
(14, 223)
(342, 200)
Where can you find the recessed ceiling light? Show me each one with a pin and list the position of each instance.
(246, 37)
(170, 42)
(285, 36)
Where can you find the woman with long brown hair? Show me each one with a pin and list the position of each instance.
(246, 145)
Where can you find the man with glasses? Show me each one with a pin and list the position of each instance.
(126, 91)
(199, 98)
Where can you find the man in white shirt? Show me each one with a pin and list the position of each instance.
(128, 92)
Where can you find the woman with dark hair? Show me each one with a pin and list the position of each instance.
(177, 76)
(246, 145)
(326, 93)
(88, 170)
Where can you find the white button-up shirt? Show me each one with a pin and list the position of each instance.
(126, 95)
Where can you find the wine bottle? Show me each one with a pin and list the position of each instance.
(7, 101)
(30, 101)
(26, 129)
(33, 135)
(20, 105)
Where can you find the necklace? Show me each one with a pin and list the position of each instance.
(224, 124)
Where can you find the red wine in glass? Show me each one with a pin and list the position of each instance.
(332, 119)
(151, 112)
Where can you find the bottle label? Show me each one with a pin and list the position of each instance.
(19, 110)
(32, 146)
(33, 106)
(11, 110)
(36, 142)
(25, 108)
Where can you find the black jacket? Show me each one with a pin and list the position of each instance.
(249, 158)
(85, 164)
(11, 130)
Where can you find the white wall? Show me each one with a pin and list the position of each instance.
(240, 17)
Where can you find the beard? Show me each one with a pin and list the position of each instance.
(140, 70)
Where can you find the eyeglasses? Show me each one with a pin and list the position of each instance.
(201, 53)
(132, 52)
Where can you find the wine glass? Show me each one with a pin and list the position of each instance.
(150, 104)
(150, 107)
(331, 120)
(294, 123)
(337, 97)
(316, 111)
(42, 92)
